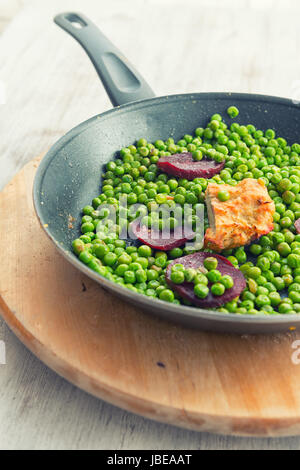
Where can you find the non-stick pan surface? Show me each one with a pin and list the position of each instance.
(69, 176)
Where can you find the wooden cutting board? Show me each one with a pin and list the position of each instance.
(208, 382)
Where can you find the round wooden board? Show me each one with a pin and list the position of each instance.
(203, 381)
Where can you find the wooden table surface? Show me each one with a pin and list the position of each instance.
(47, 86)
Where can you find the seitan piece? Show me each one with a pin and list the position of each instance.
(246, 216)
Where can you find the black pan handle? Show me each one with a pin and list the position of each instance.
(120, 79)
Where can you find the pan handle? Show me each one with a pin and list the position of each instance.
(120, 79)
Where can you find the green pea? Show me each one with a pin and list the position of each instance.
(294, 296)
(143, 262)
(95, 265)
(125, 258)
(288, 279)
(279, 283)
(167, 295)
(121, 269)
(190, 274)
(176, 253)
(161, 198)
(275, 267)
(101, 250)
(191, 198)
(233, 260)
(153, 285)
(261, 280)
(263, 263)
(199, 131)
(270, 286)
(285, 308)
(262, 300)
(274, 298)
(177, 277)
(223, 195)
(247, 304)
(294, 287)
(254, 272)
(144, 251)
(161, 261)
(269, 275)
(288, 197)
(85, 256)
(285, 269)
(200, 278)
(87, 227)
(284, 249)
(178, 267)
(240, 255)
(265, 241)
(284, 185)
(201, 291)
(295, 245)
(278, 237)
(179, 199)
(152, 274)
(78, 246)
(293, 261)
(86, 219)
(129, 277)
(247, 295)
(87, 210)
(289, 237)
(214, 275)
(286, 222)
(110, 259)
(134, 266)
(232, 111)
(262, 291)
(217, 289)
(255, 249)
(131, 249)
(197, 155)
(245, 267)
(210, 263)
(227, 281)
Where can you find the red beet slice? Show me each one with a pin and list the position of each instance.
(186, 290)
(297, 225)
(182, 165)
(154, 238)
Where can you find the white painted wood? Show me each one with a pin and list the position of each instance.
(9, 8)
(179, 46)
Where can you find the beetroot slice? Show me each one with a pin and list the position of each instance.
(153, 238)
(186, 290)
(182, 165)
(297, 225)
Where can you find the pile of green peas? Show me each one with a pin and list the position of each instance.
(271, 265)
(201, 277)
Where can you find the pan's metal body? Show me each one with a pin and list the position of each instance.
(69, 177)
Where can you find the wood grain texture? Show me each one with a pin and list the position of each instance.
(51, 87)
(207, 382)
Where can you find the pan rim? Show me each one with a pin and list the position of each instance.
(180, 311)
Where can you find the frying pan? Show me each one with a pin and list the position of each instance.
(68, 177)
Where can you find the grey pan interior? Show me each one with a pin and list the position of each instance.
(69, 175)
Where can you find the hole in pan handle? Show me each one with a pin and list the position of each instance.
(121, 81)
